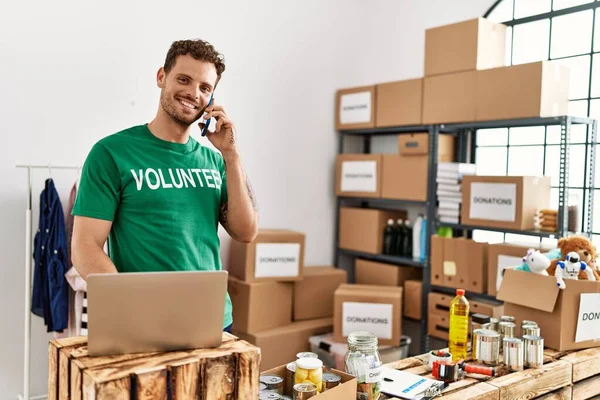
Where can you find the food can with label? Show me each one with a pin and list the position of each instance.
(290, 371)
(487, 346)
(273, 382)
(303, 391)
(269, 395)
(331, 380)
(513, 354)
(533, 351)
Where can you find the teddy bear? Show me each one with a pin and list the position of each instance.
(584, 248)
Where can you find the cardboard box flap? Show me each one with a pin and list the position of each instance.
(529, 290)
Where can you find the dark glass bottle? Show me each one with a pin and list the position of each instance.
(389, 238)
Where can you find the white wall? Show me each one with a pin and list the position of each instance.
(68, 80)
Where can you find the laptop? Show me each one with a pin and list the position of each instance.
(155, 311)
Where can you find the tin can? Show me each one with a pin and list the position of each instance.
(513, 353)
(533, 351)
(274, 383)
(478, 321)
(508, 318)
(307, 354)
(269, 395)
(487, 346)
(261, 387)
(303, 391)
(528, 322)
(331, 380)
(507, 330)
(290, 372)
(530, 330)
(492, 325)
(284, 397)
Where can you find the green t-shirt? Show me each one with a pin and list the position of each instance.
(163, 199)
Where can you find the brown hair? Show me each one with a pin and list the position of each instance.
(199, 49)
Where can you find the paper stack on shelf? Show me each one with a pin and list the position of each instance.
(449, 193)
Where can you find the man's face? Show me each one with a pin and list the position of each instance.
(186, 89)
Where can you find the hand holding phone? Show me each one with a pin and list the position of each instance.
(207, 122)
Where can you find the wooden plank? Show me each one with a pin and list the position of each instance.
(151, 384)
(119, 389)
(52, 370)
(565, 393)
(76, 382)
(458, 386)
(184, 379)
(405, 363)
(248, 374)
(70, 341)
(586, 363)
(218, 375)
(63, 374)
(530, 383)
(587, 389)
(479, 391)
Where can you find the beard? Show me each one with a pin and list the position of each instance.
(170, 106)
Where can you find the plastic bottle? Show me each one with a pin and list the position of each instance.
(459, 326)
(416, 237)
(389, 238)
(399, 237)
(423, 239)
(408, 239)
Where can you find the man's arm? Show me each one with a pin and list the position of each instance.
(239, 215)
(87, 246)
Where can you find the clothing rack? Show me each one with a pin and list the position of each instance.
(28, 273)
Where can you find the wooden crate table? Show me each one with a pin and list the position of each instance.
(565, 375)
(230, 372)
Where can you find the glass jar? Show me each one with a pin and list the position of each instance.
(364, 362)
(309, 370)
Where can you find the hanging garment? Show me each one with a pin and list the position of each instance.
(50, 297)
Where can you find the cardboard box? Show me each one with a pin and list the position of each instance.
(361, 229)
(437, 259)
(503, 201)
(399, 103)
(280, 345)
(439, 304)
(355, 108)
(259, 306)
(414, 144)
(472, 268)
(381, 274)
(438, 326)
(376, 309)
(313, 296)
(358, 175)
(400, 185)
(413, 300)
(500, 93)
(502, 256)
(449, 98)
(275, 255)
(346, 390)
(558, 313)
(464, 46)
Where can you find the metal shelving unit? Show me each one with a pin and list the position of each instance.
(465, 134)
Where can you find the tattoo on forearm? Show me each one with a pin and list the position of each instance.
(251, 195)
(223, 214)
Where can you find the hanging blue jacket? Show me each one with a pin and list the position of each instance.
(50, 298)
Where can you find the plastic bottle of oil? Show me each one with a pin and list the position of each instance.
(459, 326)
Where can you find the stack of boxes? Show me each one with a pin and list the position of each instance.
(278, 303)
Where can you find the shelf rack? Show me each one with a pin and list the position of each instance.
(465, 145)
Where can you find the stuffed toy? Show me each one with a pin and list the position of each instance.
(571, 268)
(584, 248)
(535, 262)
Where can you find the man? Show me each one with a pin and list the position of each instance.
(155, 193)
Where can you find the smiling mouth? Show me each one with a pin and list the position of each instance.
(187, 104)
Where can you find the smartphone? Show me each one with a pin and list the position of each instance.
(207, 123)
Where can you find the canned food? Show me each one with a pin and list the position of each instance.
(530, 330)
(303, 391)
(331, 380)
(269, 395)
(309, 370)
(307, 354)
(262, 386)
(528, 322)
(508, 318)
(533, 351)
(492, 325)
(290, 371)
(507, 330)
(273, 382)
(513, 354)
(487, 346)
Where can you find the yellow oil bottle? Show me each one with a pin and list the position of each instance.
(459, 326)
